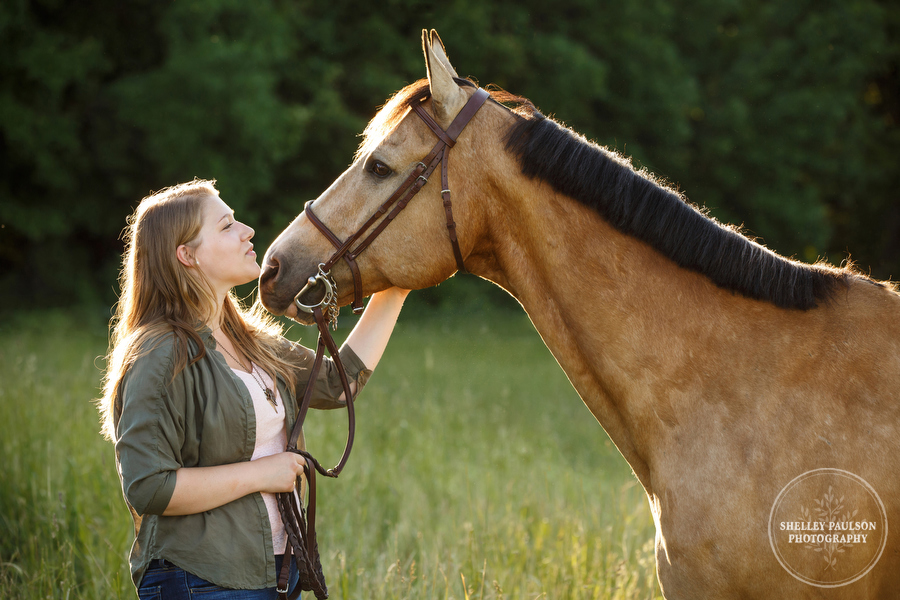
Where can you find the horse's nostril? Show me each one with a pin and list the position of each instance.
(269, 271)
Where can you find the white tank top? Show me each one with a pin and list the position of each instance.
(271, 438)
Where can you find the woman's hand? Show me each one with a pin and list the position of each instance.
(279, 472)
(198, 489)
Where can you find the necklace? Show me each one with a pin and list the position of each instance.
(270, 395)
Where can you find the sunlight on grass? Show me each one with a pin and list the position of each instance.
(477, 472)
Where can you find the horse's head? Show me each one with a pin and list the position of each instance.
(414, 250)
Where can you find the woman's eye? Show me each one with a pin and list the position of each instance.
(379, 169)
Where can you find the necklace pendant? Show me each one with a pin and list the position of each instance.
(270, 396)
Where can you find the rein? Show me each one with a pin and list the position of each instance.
(300, 525)
(300, 531)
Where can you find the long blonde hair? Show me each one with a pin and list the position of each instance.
(159, 296)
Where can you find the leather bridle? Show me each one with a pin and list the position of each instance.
(302, 534)
(438, 157)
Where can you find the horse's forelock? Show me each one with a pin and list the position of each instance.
(390, 115)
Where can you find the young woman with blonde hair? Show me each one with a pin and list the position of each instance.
(199, 395)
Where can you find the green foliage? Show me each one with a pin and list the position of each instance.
(784, 106)
(781, 116)
(477, 472)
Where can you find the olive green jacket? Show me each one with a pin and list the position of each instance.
(202, 417)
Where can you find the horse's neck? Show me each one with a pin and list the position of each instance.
(606, 305)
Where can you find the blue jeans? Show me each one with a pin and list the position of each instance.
(165, 581)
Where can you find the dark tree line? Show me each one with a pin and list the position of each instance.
(782, 116)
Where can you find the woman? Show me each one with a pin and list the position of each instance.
(200, 393)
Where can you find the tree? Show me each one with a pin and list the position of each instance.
(781, 116)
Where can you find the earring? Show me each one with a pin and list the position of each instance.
(197, 262)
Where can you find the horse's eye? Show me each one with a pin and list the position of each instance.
(379, 169)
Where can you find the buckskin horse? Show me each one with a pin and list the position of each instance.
(756, 398)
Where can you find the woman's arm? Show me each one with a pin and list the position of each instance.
(199, 489)
(361, 352)
(370, 336)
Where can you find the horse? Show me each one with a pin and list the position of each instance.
(756, 398)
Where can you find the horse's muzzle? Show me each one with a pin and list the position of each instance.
(279, 294)
(274, 292)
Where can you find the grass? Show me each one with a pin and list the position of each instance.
(477, 472)
(64, 526)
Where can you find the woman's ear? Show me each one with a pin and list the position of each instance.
(185, 256)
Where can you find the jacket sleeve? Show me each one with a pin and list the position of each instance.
(327, 387)
(150, 432)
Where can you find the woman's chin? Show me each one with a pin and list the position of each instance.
(253, 274)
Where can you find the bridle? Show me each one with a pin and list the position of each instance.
(439, 156)
(302, 536)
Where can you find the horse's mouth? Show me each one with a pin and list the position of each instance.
(273, 294)
(314, 291)
(312, 295)
(298, 316)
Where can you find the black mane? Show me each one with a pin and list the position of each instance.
(636, 204)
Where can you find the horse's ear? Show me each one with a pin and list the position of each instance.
(440, 52)
(447, 98)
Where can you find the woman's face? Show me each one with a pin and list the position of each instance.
(224, 253)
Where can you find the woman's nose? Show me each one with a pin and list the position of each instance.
(249, 233)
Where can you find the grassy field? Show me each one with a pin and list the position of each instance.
(477, 472)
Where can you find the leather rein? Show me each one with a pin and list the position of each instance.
(301, 532)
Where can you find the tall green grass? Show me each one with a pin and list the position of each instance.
(64, 528)
(477, 472)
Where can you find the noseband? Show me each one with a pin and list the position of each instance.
(300, 524)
